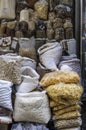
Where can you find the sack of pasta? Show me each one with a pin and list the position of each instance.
(59, 76)
(66, 110)
(7, 9)
(68, 115)
(62, 124)
(41, 7)
(63, 93)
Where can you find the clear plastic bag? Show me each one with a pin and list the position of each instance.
(41, 7)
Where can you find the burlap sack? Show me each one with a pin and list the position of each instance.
(58, 76)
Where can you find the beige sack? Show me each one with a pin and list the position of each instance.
(7, 9)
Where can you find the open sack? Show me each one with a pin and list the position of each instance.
(50, 55)
(30, 80)
(7, 9)
(32, 107)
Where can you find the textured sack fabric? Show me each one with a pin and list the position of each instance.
(29, 126)
(5, 94)
(7, 9)
(5, 120)
(32, 107)
(10, 70)
(68, 115)
(30, 80)
(59, 76)
(62, 93)
(41, 7)
(57, 23)
(72, 62)
(68, 123)
(69, 45)
(24, 61)
(67, 109)
(50, 55)
(24, 15)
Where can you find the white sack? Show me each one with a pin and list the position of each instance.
(30, 80)
(32, 107)
(50, 55)
(5, 94)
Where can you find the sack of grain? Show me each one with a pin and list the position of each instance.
(32, 107)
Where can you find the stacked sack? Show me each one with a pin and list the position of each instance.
(64, 92)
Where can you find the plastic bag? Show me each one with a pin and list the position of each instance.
(7, 9)
(5, 120)
(66, 110)
(68, 123)
(30, 80)
(5, 94)
(72, 62)
(69, 46)
(32, 107)
(68, 115)
(50, 55)
(27, 47)
(5, 43)
(59, 76)
(61, 11)
(59, 34)
(24, 15)
(29, 126)
(57, 23)
(41, 7)
(62, 93)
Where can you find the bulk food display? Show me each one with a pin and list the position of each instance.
(40, 83)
